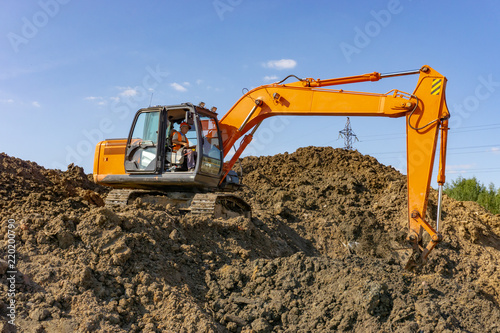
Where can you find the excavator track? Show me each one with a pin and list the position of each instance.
(119, 197)
(219, 205)
(215, 205)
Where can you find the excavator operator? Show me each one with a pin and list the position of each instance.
(180, 141)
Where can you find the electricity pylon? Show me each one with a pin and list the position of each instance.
(348, 135)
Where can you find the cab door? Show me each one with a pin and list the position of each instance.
(142, 151)
(210, 158)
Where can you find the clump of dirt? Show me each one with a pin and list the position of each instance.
(316, 256)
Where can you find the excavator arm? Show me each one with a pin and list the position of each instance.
(426, 115)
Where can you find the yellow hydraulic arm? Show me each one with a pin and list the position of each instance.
(426, 115)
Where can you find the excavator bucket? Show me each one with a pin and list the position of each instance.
(409, 257)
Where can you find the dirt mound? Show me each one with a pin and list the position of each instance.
(333, 196)
(24, 182)
(315, 256)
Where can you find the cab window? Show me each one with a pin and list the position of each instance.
(211, 150)
(146, 127)
(142, 145)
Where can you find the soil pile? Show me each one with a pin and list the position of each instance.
(24, 182)
(317, 255)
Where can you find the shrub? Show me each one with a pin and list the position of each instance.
(472, 190)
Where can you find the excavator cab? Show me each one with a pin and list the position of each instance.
(149, 146)
(150, 159)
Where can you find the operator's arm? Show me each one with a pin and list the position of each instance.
(175, 140)
(184, 144)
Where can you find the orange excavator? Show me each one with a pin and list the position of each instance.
(149, 165)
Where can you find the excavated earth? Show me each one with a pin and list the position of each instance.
(318, 255)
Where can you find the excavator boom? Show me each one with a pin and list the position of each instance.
(426, 115)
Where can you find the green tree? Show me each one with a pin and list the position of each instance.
(487, 198)
(464, 189)
(472, 190)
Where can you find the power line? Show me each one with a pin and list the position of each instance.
(473, 171)
(482, 169)
(479, 126)
(484, 146)
(452, 148)
(486, 125)
(471, 152)
(475, 130)
(390, 136)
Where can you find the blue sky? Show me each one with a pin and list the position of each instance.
(74, 72)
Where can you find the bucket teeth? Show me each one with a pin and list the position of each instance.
(409, 257)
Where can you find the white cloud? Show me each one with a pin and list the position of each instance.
(178, 87)
(187, 84)
(199, 81)
(101, 101)
(216, 89)
(128, 92)
(281, 64)
(459, 168)
(7, 101)
(270, 78)
(93, 98)
(495, 150)
(401, 170)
